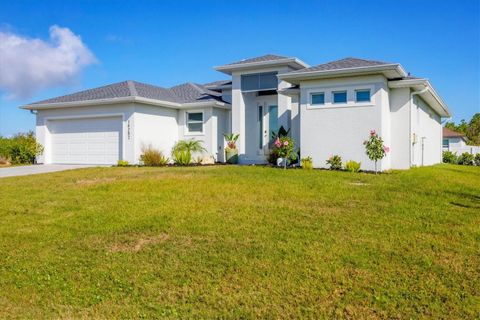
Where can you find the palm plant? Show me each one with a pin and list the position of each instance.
(231, 139)
(191, 145)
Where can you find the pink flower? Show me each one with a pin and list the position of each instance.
(285, 143)
(372, 132)
(386, 149)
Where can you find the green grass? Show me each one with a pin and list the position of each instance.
(241, 242)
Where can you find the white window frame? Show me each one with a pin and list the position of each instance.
(314, 105)
(340, 91)
(363, 90)
(329, 90)
(194, 133)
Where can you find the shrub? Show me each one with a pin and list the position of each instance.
(307, 163)
(477, 159)
(231, 140)
(374, 148)
(122, 163)
(152, 157)
(182, 158)
(466, 159)
(335, 162)
(23, 148)
(352, 166)
(449, 157)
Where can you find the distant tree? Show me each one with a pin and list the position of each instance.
(473, 131)
(470, 129)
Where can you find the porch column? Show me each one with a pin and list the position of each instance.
(238, 113)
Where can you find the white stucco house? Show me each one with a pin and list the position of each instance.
(329, 108)
(457, 143)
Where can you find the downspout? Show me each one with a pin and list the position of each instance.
(410, 122)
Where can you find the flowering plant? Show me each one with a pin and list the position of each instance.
(374, 148)
(284, 147)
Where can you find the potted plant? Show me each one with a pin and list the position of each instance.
(284, 148)
(231, 152)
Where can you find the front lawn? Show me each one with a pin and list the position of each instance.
(241, 242)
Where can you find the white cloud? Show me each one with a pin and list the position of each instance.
(28, 65)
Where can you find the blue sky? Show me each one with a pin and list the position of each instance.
(170, 42)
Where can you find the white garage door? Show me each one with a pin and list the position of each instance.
(86, 140)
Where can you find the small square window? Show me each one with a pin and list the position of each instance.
(362, 95)
(318, 98)
(446, 143)
(195, 122)
(340, 97)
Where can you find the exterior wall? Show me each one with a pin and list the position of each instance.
(209, 136)
(221, 124)
(155, 126)
(340, 129)
(143, 125)
(427, 128)
(295, 121)
(126, 111)
(400, 128)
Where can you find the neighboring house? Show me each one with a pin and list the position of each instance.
(457, 142)
(329, 108)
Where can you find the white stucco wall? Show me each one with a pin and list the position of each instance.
(209, 136)
(155, 126)
(126, 111)
(400, 128)
(340, 129)
(426, 125)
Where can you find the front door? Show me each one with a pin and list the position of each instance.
(267, 122)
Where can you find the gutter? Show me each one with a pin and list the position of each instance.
(154, 102)
(384, 67)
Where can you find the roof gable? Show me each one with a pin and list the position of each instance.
(448, 133)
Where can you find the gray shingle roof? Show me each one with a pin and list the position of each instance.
(267, 57)
(184, 93)
(343, 64)
(216, 84)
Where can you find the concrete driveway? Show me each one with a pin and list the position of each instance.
(40, 168)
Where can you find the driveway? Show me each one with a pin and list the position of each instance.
(40, 168)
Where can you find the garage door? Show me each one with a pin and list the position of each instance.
(86, 140)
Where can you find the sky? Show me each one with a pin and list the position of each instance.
(52, 48)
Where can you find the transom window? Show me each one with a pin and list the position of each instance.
(195, 122)
(317, 98)
(362, 95)
(339, 97)
(259, 81)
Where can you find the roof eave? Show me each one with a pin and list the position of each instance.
(430, 95)
(228, 69)
(389, 70)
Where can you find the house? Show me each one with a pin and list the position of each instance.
(329, 108)
(457, 142)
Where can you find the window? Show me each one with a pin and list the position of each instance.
(362, 95)
(340, 97)
(260, 127)
(259, 81)
(195, 122)
(446, 143)
(317, 98)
